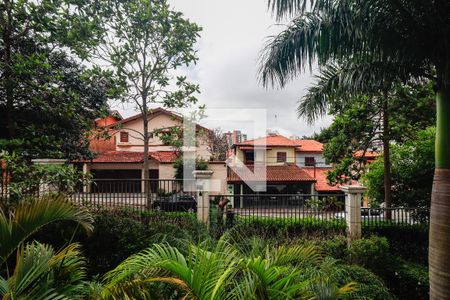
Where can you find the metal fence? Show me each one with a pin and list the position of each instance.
(375, 217)
(144, 195)
(283, 207)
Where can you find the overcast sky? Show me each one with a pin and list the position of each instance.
(233, 35)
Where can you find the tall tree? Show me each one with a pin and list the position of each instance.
(402, 35)
(35, 73)
(362, 120)
(146, 42)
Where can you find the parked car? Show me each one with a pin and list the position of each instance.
(183, 203)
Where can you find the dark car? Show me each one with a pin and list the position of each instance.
(183, 203)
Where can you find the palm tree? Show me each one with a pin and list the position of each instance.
(224, 271)
(351, 80)
(40, 273)
(21, 222)
(407, 36)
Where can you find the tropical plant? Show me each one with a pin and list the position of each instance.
(225, 271)
(18, 223)
(409, 38)
(40, 273)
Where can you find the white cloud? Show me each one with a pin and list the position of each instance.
(231, 41)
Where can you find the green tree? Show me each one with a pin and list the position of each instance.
(38, 81)
(146, 42)
(412, 172)
(55, 103)
(409, 38)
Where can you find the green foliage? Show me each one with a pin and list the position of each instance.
(408, 242)
(146, 42)
(48, 99)
(42, 273)
(227, 269)
(26, 179)
(119, 234)
(412, 168)
(200, 164)
(288, 229)
(18, 223)
(369, 252)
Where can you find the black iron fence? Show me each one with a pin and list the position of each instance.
(144, 195)
(282, 207)
(374, 217)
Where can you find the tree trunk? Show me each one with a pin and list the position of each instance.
(439, 249)
(387, 161)
(146, 163)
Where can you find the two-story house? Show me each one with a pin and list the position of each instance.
(292, 166)
(120, 156)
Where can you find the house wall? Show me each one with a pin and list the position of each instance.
(159, 121)
(272, 155)
(166, 171)
(320, 160)
(219, 178)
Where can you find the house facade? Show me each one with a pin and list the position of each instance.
(120, 155)
(293, 166)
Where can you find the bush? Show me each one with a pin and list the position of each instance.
(371, 253)
(369, 286)
(290, 229)
(410, 280)
(117, 235)
(408, 242)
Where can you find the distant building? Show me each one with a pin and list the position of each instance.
(235, 137)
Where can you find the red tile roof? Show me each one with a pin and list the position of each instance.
(284, 173)
(368, 154)
(308, 146)
(133, 157)
(320, 174)
(270, 140)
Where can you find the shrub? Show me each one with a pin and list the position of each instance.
(290, 229)
(410, 280)
(369, 286)
(369, 252)
(408, 242)
(335, 247)
(120, 234)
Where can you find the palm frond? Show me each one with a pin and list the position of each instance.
(40, 273)
(27, 218)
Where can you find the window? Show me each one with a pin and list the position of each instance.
(124, 137)
(310, 161)
(281, 156)
(249, 157)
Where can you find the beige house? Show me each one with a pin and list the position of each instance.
(293, 166)
(122, 154)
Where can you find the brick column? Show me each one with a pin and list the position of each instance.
(353, 198)
(202, 179)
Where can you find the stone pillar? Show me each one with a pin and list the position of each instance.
(241, 194)
(202, 179)
(353, 198)
(86, 172)
(45, 187)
